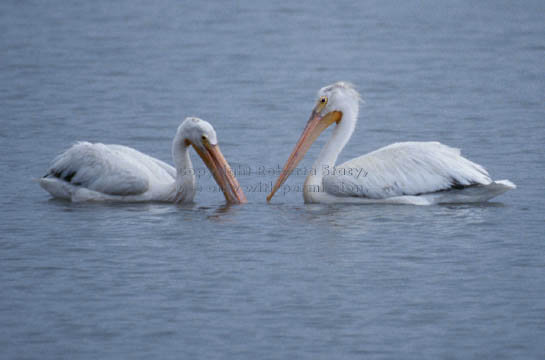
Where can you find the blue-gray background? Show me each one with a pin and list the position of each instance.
(286, 280)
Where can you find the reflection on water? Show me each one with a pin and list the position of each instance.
(224, 213)
(359, 219)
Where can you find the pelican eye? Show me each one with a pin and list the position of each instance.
(323, 100)
(203, 138)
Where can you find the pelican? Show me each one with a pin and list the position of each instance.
(419, 173)
(99, 172)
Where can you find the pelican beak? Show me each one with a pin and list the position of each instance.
(315, 125)
(220, 169)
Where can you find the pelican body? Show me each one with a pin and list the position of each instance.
(419, 173)
(99, 172)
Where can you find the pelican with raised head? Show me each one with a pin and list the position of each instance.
(420, 173)
(99, 172)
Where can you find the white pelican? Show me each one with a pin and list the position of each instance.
(99, 172)
(420, 173)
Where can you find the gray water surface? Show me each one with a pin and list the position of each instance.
(284, 280)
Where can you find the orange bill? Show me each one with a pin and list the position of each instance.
(315, 125)
(224, 176)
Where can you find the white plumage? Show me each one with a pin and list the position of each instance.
(420, 173)
(99, 172)
(408, 168)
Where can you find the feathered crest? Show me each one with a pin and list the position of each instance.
(344, 86)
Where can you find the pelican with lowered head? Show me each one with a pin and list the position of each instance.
(99, 172)
(419, 173)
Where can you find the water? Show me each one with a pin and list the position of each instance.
(285, 280)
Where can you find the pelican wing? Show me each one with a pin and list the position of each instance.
(160, 168)
(109, 169)
(408, 168)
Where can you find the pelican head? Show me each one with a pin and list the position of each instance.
(338, 104)
(340, 96)
(202, 136)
